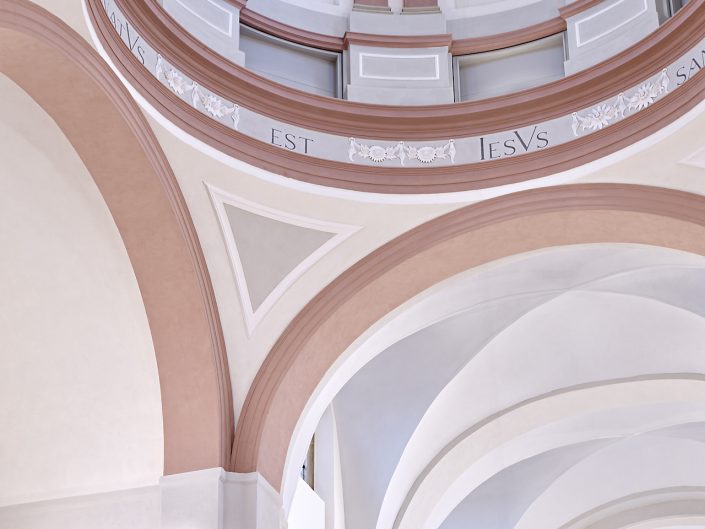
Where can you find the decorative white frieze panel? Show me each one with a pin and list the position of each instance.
(208, 102)
(428, 154)
(605, 113)
(215, 106)
(376, 153)
(401, 151)
(368, 151)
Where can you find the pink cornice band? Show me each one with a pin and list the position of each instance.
(465, 122)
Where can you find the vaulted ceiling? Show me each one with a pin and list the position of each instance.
(436, 431)
(559, 388)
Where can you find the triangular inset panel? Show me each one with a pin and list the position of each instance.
(269, 249)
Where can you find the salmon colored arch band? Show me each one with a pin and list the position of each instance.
(424, 256)
(58, 68)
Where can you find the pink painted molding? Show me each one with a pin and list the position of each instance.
(426, 255)
(68, 78)
(440, 122)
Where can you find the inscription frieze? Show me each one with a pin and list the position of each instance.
(464, 150)
(513, 143)
(290, 141)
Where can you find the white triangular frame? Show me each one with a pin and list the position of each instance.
(253, 317)
(689, 160)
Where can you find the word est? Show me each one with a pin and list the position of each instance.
(290, 141)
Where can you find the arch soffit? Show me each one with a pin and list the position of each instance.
(518, 433)
(56, 67)
(428, 254)
(399, 484)
(446, 299)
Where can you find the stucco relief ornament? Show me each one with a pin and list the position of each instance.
(215, 106)
(429, 154)
(598, 118)
(376, 153)
(601, 116)
(173, 78)
(647, 93)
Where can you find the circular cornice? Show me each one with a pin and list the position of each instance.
(272, 100)
(457, 46)
(337, 116)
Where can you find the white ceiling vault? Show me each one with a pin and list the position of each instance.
(443, 429)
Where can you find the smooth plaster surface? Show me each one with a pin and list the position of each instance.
(79, 391)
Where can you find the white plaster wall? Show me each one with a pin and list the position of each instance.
(131, 509)
(307, 510)
(80, 405)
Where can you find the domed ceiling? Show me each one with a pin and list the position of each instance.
(234, 300)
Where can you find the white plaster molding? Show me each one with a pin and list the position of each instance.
(211, 104)
(250, 502)
(228, 33)
(695, 159)
(604, 114)
(401, 151)
(376, 153)
(579, 42)
(216, 499)
(428, 154)
(253, 317)
(436, 66)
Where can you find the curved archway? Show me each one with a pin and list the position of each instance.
(430, 502)
(461, 240)
(57, 68)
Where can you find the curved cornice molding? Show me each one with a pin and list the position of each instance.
(397, 41)
(290, 33)
(262, 99)
(438, 122)
(68, 78)
(576, 7)
(457, 46)
(508, 39)
(424, 256)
